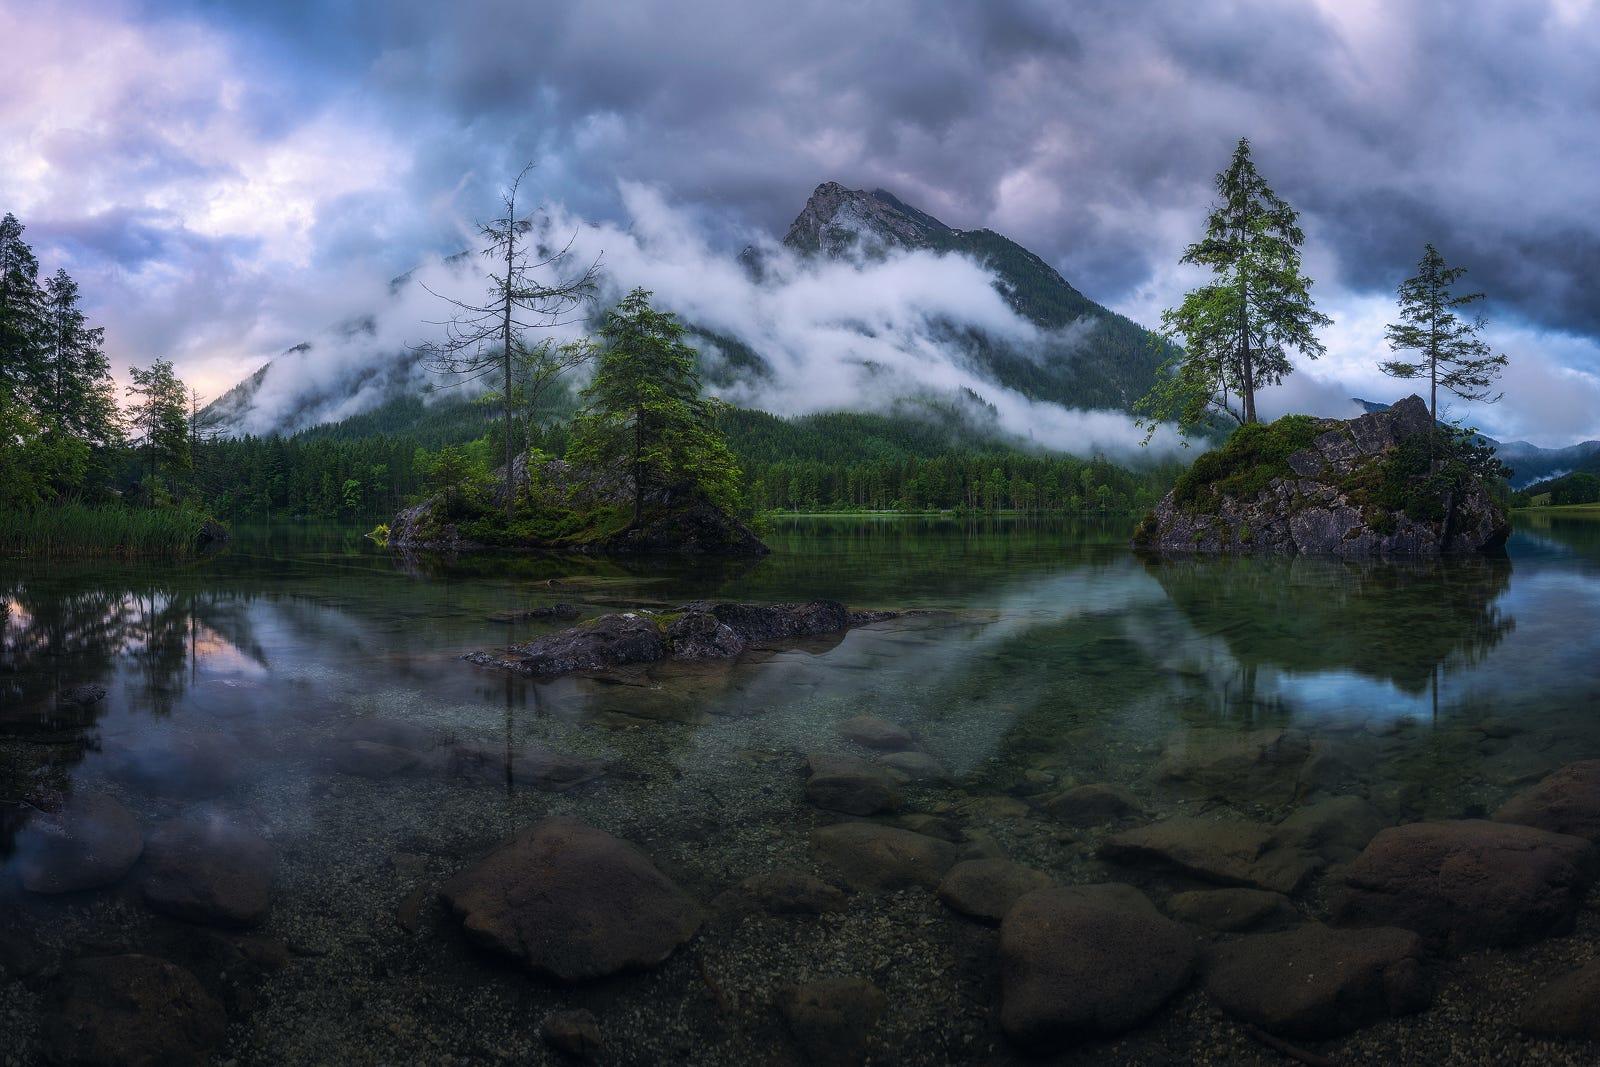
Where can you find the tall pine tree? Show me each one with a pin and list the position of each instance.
(21, 314)
(1451, 354)
(159, 417)
(1239, 331)
(75, 391)
(644, 415)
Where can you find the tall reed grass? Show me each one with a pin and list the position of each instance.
(111, 531)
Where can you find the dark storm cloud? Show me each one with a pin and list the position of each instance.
(1088, 131)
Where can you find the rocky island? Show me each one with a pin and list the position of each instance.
(1389, 483)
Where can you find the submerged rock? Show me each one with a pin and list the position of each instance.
(197, 763)
(987, 888)
(1227, 852)
(1468, 884)
(703, 630)
(831, 1019)
(572, 902)
(1080, 962)
(371, 759)
(1254, 765)
(1316, 982)
(208, 871)
(91, 842)
(1317, 502)
(1091, 805)
(1230, 910)
(533, 766)
(577, 1032)
(849, 786)
(1335, 829)
(792, 892)
(915, 767)
(870, 856)
(132, 1009)
(1566, 802)
(561, 610)
(873, 732)
(1567, 1007)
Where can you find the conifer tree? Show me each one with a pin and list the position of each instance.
(21, 313)
(75, 392)
(1451, 354)
(1238, 331)
(644, 415)
(159, 417)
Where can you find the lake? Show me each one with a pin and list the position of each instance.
(261, 691)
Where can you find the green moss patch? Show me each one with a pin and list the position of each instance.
(1247, 462)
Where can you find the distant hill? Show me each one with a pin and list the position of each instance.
(1091, 358)
(1532, 463)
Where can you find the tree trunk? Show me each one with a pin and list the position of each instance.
(505, 356)
(1247, 371)
(638, 465)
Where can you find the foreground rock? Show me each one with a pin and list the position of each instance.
(1318, 983)
(1567, 1007)
(1230, 910)
(792, 892)
(1336, 829)
(872, 732)
(831, 1019)
(1087, 961)
(849, 786)
(1565, 802)
(572, 902)
(874, 857)
(987, 888)
(197, 763)
(1468, 884)
(703, 630)
(1091, 805)
(91, 842)
(209, 872)
(130, 1010)
(1319, 501)
(1227, 852)
(533, 766)
(1256, 765)
(577, 1033)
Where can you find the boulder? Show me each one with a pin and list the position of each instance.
(792, 892)
(1081, 962)
(533, 766)
(1567, 1007)
(577, 1033)
(874, 857)
(608, 641)
(197, 763)
(873, 732)
(1565, 802)
(1230, 910)
(700, 635)
(849, 786)
(1315, 982)
(130, 1010)
(831, 1019)
(208, 871)
(1227, 852)
(91, 842)
(986, 888)
(1310, 504)
(1467, 884)
(1255, 765)
(572, 902)
(914, 766)
(1091, 805)
(371, 759)
(766, 622)
(1336, 828)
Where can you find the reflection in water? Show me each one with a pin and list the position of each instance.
(310, 686)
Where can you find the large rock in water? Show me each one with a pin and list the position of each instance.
(1468, 884)
(1566, 802)
(90, 843)
(1316, 982)
(131, 1010)
(1314, 504)
(572, 902)
(1087, 961)
(209, 871)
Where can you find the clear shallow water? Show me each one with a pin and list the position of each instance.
(1041, 655)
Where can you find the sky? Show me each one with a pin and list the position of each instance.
(227, 179)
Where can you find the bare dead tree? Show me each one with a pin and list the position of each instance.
(531, 287)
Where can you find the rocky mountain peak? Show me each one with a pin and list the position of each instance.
(841, 221)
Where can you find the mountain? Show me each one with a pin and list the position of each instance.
(1092, 358)
(1531, 463)
(1089, 356)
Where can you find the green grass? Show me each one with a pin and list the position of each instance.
(1246, 462)
(104, 531)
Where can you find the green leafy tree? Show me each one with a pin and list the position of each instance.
(1451, 353)
(159, 416)
(1239, 331)
(35, 460)
(644, 416)
(21, 313)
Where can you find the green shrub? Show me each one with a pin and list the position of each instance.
(1247, 462)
